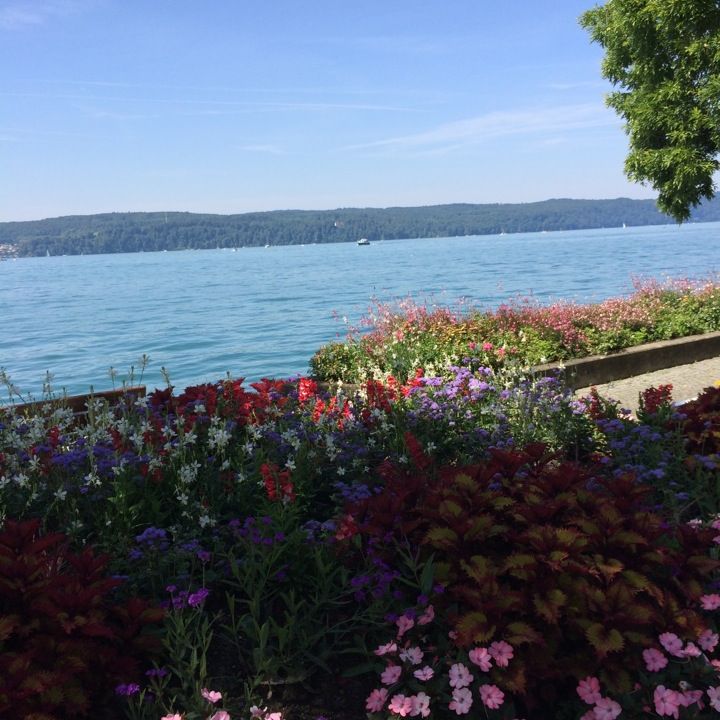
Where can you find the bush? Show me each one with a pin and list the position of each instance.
(570, 567)
(64, 643)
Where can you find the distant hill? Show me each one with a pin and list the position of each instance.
(135, 232)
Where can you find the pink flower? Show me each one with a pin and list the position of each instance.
(220, 715)
(667, 702)
(486, 346)
(274, 716)
(425, 673)
(606, 709)
(672, 643)
(390, 674)
(460, 676)
(400, 705)
(404, 624)
(390, 647)
(428, 616)
(420, 705)
(176, 716)
(376, 700)
(501, 652)
(212, 696)
(710, 602)
(691, 650)
(413, 655)
(481, 657)
(492, 696)
(708, 640)
(461, 702)
(589, 690)
(714, 695)
(690, 697)
(654, 660)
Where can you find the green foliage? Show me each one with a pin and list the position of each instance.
(664, 57)
(406, 336)
(290, 611)
(64, 643)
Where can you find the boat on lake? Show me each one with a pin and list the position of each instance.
(363, 241)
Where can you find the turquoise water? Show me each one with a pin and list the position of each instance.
(264, 311)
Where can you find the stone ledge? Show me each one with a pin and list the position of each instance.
(601, 369)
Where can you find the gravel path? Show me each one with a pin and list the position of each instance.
(687, 381)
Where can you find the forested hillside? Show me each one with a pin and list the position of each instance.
(134, 232)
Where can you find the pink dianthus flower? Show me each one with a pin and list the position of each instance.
(390, 674)
(425, 673)
(501, 652)
(708, 640)
(710, 602)
(606, 709)
(492, 696)
(460, 676)
(481, 657)
(211, 696)
(462, 701)
(404, 624)
(589, 690)
(400, 704)
(420, 705)
(667, 702)
(672, 643)
(654, 660)
(376, 700)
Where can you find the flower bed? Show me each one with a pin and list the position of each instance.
(468, 543)
(399, 339)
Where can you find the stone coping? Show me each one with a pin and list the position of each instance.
(601, 369)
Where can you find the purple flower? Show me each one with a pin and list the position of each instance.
(197, 598)
(127, 690)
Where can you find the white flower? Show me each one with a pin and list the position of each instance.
(21, 480)
(206, 520)
(60, 494)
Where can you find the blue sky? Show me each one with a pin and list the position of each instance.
(243, 105)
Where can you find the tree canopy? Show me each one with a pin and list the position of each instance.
(663, 56)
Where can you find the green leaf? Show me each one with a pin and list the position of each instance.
(604, 640)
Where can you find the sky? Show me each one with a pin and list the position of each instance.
(235, 106)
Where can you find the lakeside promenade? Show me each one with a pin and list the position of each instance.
(688, 381)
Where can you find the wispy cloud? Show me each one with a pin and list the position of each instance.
(21, 14)
(267, 149)
(460, 133)
(260, 105)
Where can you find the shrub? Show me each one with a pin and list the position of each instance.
(570, 567)
(64, 643)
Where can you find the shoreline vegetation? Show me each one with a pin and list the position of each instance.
(451, 539)
(154, 231)
(396, 340)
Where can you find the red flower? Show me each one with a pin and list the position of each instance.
(274, 479)
(307, 388)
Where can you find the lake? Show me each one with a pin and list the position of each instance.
(258, 312)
